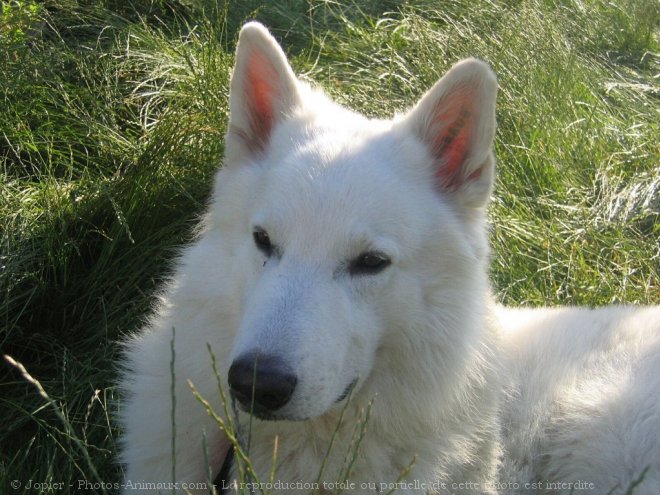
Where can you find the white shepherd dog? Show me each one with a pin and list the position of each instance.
(344, 259)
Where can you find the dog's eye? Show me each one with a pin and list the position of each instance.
(369, 263)
(262, 241)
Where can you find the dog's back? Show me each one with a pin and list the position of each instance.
(582, 401)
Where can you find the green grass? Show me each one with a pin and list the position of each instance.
(112, 125)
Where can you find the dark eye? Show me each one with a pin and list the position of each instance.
(369, 263)
(262, 241)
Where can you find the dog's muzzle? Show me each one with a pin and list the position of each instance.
(261, 383)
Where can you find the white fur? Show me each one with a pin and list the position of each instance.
(475, 393)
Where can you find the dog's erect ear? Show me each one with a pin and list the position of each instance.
(263, 90)
(456, 120)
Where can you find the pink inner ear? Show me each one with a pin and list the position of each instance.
(261, 91)
(452, 131)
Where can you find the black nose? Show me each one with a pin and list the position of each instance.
(261, 383)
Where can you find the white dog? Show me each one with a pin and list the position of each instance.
(343, 260)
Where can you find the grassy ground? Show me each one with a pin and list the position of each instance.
(112, 124)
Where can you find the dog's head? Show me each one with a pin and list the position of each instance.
(350, 235)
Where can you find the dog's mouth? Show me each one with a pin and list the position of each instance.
(347, 391)
(258, 412)
(266, 414)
